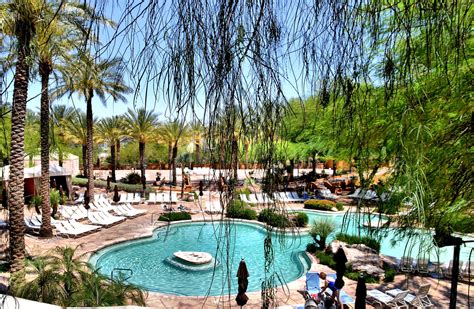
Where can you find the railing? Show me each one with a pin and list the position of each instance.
(121, 271)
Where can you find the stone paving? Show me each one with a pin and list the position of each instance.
(287, 295)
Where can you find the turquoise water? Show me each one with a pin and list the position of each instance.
(392, 243)
(155, 270)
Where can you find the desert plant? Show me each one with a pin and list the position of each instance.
(365, 240)
(319, 204)
(273, 218)
(132, 178)
(301, 219)
(36, 203)
(320, 230)
(389, 274)
(175, 216)
(340, 206)
(240, 210)
(54, 200)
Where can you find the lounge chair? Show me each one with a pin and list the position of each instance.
(151, 198)
(422, 265)
(419, 300)
(213, 207)
(406, 264)
(123, 198)
(448, 269)
(355, 194)
(72, 228)
(378, 298)
(345, 298)
(101, 218)
(128, 211)
(73, 212)
(32, 225)
(294, 196)
(313, 284)
(468, 270)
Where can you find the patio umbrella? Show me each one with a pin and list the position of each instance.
(108, 184)
(341, 260)
(361, 293)
(242, 275)
(86, 200)
(116, 197)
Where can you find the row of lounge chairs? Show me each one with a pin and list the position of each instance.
(264, 198)
(397, 298)
(160, 198)
(132, 198)
(368, 195)
(424, 266)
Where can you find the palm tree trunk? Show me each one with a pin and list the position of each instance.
(170, 154)
(141, 151)
(198, 151)
(173, 161)
(246, 153)
(46, 230)
(84, 160)
(117, 154)
(16, 200)
(112, 161)
(235, 157)
(90, 171)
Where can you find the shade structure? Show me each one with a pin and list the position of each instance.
(242, 275)
(361, 293)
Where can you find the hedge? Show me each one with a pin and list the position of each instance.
(175, 216)
(274, 219)
(301, 219)
(319, 204)
(103, 184)
(240, 210)
(365, 240)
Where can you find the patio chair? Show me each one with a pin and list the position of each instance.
(128, 211)
(123, 198)
(448, 270)
(406, 264)
(468, 270)
(355, 194)
(419, 300)
(379, 299)
(213, 207)
(151, 198)
(313, 284)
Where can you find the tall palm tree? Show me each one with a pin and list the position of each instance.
(110, 130)
(60, 116)
(197, 131)
(75, 132)
(172, 133)
(19, 18)
(89, 76)
(141, 126)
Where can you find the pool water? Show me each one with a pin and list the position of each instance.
(392, 243)
(154, 269)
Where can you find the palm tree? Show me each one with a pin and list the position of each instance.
(110, 130)
(60, 116)
(19, 18)
(75, 132)
(89, 76)
(197, 131)
(172, 133)
(141, 126)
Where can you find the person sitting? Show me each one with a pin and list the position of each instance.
(332, 286)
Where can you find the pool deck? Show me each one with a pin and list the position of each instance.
(141, 227)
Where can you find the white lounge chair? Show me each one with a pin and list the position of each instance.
(128, 211)
(72, 228)
(419, 300)
(123, 198)
(406, 264)
(355, 194)
(213, 207)
(73, 212)
(379, 298)
(101, 218)
(151, 198)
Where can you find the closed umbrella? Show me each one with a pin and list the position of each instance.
(361, 293)
(116, 197)
(242, 275)
(341, 260)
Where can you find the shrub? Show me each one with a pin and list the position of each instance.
(319, 204)
(132, 178)
(243, 190)
(365, 240)
(103, 184)
(320, 230)
(274, 219)
(301, 219)
(175, 216)
(240, 210)
(340, 206)
(355, 276)
(389, 274)
(326, 259)
(311, 248)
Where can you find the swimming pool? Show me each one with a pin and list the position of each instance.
(155, 270)
(392, 243)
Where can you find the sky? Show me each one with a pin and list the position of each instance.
(136, 99)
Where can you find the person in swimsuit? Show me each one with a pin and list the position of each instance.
(330, 285)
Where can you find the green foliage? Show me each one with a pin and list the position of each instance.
(339, 206)
(365, 240)
(355, 276)
(132, 179)
(301, 219)
(240, 210)
(320, 230)
(103, 184)
(326, 259)
(63, 279)
(244, 190)
(273, 218)
(35, 202)
(389, 274)
(319, 204)
(175, 216)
